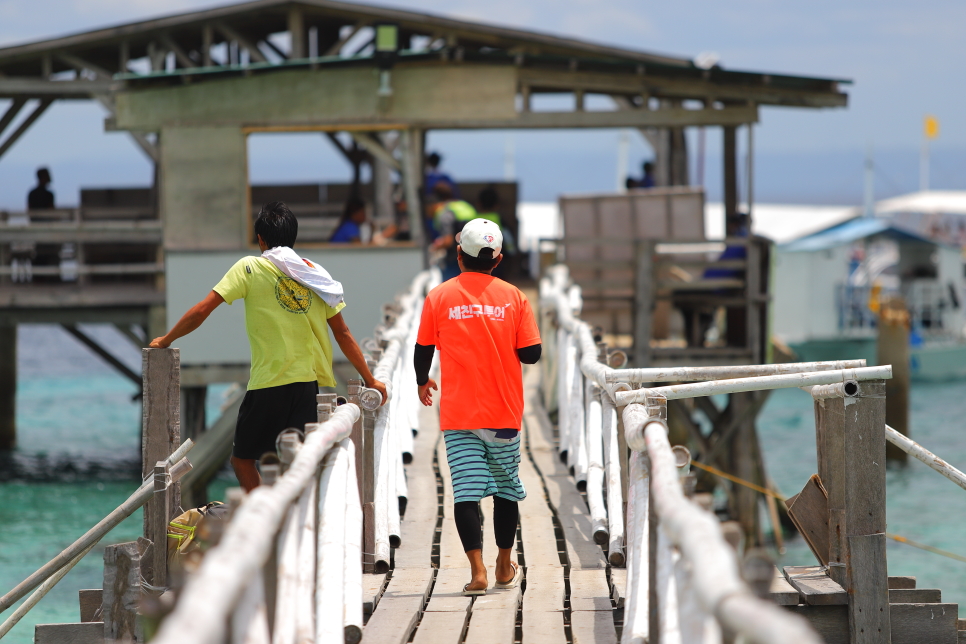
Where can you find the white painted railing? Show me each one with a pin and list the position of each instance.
(699, 589)
(305, 530)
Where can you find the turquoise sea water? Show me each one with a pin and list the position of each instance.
(78, 458)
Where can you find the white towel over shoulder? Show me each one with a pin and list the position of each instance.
(306, 273)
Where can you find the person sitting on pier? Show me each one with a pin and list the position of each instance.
(484, 329)
(352, 226)
(288, 326)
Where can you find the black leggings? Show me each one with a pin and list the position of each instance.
(506, 515)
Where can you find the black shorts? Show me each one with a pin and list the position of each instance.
(264, 413)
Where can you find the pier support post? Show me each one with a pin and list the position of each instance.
(8, 387)
(194, 422)
(893, 348)
(854, 453)
(122, 592)
(160, 436)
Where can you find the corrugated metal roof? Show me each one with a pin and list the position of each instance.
(848, 232)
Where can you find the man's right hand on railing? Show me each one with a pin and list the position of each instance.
(425, 395)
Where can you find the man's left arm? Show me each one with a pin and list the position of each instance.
(190, 321)
(529, 346)
(349, 346)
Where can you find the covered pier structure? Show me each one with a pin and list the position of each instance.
(190, 89)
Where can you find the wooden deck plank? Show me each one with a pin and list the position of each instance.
(782, 592)
(910, 623)
(546, 589)
(618, 585)
(543, 627)
(536, 520)
(448, 591)
(593, 627)
(441, 628)
(418, 525)
(589, 590)
(372, 587)
(916, 596)
(572, 513)
(815, 586)
(491, 626)
(398, 611)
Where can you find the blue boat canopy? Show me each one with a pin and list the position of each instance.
(851, 231)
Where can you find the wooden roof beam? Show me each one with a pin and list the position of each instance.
(35, 88)
(340, 43)
(179, 53)
(376, 149)
(25, 125)
(231, 34)
(11, 113)
(80, 65)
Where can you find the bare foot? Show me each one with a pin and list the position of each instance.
(505, 571)
(478, 583)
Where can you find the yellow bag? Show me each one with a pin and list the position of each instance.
(181, 531)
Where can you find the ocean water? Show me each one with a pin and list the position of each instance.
(78, 458)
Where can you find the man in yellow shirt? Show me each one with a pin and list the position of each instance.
(288, 329)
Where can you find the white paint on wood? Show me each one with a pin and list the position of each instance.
(352, 574)
(330, 547)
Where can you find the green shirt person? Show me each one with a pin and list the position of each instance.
(288, 330)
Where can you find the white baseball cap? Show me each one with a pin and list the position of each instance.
(478, 234)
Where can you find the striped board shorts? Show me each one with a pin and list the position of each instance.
(484, 462)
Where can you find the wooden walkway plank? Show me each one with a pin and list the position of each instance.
(536, 521)
(546, 589)
(398, 611)
(418, 525)
(543, 627)
(815, 586)
(589, 590)
(572, 513)
(593, 627)
(493, 625)
(782, 592)
(618, 585)
(447, 594)
(372, 587)
(441, 628)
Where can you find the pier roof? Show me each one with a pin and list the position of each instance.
(173, 47)
(851, 231)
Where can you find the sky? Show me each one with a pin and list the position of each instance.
(905, 61)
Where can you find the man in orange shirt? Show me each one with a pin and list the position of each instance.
(484, 329)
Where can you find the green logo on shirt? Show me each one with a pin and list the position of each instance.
(292, 296)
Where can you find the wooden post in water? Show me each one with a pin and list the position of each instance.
(854, 452)
(160, 436)
(8, 387)
(893, 348)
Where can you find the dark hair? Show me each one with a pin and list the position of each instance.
(43, 175)
(482, 264)
(433, 159)
(352, 205)
(488, 198)
(648, 167)
(277, 225)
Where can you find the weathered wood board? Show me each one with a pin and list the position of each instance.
(589, 590)
(448, 591)
(815, 586)
(910, 623)
(398, 611)
(782, 592)
(441, 627)
(546, 627)
(808, 510)
(372, 587)
(593, 627)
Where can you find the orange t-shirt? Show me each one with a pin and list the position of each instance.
(478, 322)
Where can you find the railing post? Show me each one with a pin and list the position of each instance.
(160, 436)
(362, 437)
(656, 410)
(854, 454)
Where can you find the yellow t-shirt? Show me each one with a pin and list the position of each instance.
(286, 323)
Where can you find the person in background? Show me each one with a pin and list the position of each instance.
(449, 217)
(484, 329)
(435, 176)
(288, 323)
(647, 178)
(488, 199)
(350, 228)
(41, 198)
